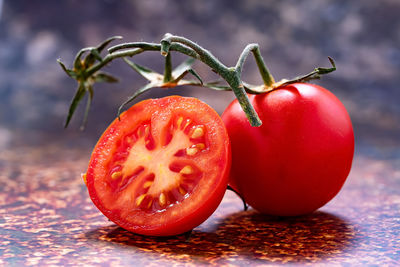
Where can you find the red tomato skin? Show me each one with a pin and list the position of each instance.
(299, 158)
(177, 224)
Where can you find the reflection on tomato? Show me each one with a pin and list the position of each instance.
(163, 168)
(299, 158)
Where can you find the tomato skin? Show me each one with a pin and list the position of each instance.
(194, 209)
(299, 158)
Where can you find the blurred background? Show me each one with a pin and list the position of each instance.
(295, 36)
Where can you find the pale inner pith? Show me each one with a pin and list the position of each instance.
(157, 161)
(164, 174)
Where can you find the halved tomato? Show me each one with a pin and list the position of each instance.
(162, 169)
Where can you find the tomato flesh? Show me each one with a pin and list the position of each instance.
(163, 168)
(299, 158)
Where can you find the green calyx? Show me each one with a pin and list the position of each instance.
(86, 80)
(86, 71)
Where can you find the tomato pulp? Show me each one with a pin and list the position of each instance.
(299, 158)
(162, 169)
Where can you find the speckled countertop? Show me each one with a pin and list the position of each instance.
(47, 218)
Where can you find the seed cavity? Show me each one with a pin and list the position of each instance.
(197, 133)
(187, 170)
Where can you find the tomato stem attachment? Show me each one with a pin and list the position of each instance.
(245, 206)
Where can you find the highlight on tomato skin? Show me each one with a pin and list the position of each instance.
(162, 169)
(300, 157)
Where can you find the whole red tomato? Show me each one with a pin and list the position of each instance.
(299, 158)
(162, 169)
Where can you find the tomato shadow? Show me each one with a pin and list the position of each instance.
(247, 237)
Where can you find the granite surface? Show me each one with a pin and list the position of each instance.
(46, 216)
(47, 219)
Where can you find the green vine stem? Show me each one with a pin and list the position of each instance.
(265, 74)
(87, 71)
(168, 69)
(315, 74)
(138, 48)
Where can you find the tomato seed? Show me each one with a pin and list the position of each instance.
(201, 146)
(162, 199)
(187, 170)
(182, 191)
(191, 151)
(116, 175)
(139, 199)
(188, 121)
(197, 133)
(147, 184)
(140, 132)
(146, 130)
(116, 168)
(179, 122)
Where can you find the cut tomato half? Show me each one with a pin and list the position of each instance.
(162, 169)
